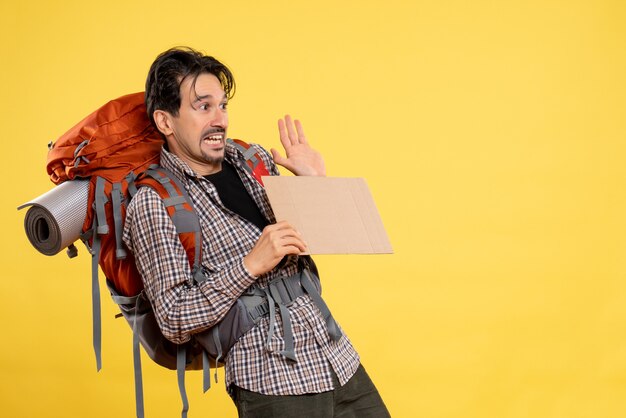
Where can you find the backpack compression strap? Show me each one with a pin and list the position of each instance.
(99, 227)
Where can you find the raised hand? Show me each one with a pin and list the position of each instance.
(301, 160)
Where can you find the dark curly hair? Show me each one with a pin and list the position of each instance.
(171, 68)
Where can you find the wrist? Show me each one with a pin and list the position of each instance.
(249, 266)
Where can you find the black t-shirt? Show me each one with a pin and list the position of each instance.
(234, 195)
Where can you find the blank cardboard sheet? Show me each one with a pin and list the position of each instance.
(334, 215)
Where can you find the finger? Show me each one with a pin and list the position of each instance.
(287, 232)
(281, 226)
(293, 242)
(284, 135)
(300, 131)
(278, 159)
(293, 135)
(285, 236)
(293, 250)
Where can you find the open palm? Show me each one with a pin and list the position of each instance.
(301, 160)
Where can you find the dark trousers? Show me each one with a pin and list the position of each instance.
(358, 398)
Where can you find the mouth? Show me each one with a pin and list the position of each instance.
(214, 139)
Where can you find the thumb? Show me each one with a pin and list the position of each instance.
(282, 161)
(278, 159)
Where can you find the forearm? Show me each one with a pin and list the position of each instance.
(183, 309)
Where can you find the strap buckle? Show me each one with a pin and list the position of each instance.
(284, 290)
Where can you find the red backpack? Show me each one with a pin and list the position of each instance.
(117, 149)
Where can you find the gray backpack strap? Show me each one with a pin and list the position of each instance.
(272, 312)
(181, 362)
(99, 227)
(218, 344)
(206, 371)
(123, 300)
(130, 180)
(282, 292)
(130, 301)
(186, 223)
(100, 200)
(116, 200)
(288, 351)
(137, 369)
(249, 154)
(331, 325)
(173, 199)
(184, 220)
(95, 300)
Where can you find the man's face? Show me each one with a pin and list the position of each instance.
(198, 134)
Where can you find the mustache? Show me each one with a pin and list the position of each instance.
(212, 131)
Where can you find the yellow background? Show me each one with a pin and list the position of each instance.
(491, 134)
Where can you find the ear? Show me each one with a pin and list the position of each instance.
(163, 121)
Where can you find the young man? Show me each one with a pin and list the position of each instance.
(297, 351)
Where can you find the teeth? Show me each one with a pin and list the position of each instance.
(213, 138)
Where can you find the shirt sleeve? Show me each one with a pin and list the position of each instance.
(181, 306)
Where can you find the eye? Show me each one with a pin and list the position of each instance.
(224, 105)
(204, 106)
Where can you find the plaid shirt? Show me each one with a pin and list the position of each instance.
(183, 308)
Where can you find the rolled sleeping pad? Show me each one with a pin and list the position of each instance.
(55, 219)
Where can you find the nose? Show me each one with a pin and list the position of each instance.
(221, 119)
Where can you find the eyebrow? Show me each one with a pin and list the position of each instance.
(206, 96)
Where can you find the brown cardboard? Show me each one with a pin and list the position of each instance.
(334, 215)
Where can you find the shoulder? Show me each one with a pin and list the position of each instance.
(144, 195)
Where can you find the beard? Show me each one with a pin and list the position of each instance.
(212, 160)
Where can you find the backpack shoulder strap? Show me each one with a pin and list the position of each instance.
(253, 162)
(180, 208)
